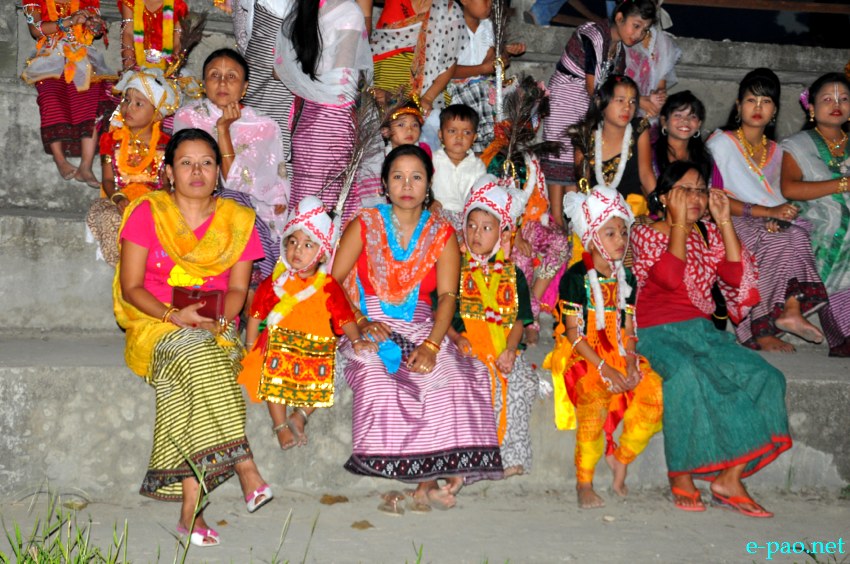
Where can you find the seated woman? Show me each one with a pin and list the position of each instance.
(747, 165)
(253, 168)
(815, 170)
(422, 411)
(724, 405)
(189, 238)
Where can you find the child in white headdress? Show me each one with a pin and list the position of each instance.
(494, 306)
(296, 315)
(131, 152)
(599, 380)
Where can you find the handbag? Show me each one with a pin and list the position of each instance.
(721, 313)
(213, 307)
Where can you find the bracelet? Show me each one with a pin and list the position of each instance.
(37, 26)
(358, 340)
(228, 155)
(747, 211)
(62, 27)
(222, 324)
(429, 344)
(167, 315)
(600, 365)
(632, 338)
(631, 353)
(249, 346)
(577, 341)
(722, 223)
(357, 320)
(680, 225)
(450, 294)
(842, 185)
(119, 196)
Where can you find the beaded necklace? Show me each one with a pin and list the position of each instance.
(139, 33)
(748, 151)
(622, 159)
(834, 146)
(488, 298)
(137, 159)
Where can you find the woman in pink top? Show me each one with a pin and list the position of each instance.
(190, 239)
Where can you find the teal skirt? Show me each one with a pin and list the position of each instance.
(724, 405)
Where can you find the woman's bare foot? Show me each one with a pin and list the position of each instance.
(769, 343)
(619, 470)
(587, 498)
(797, 325)
(66, 169)
(685, 494)
(455, 484)
(88, 177)
(441, 498)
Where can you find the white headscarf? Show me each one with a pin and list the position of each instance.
(159, 91)
(588, 213)
(490, 194)
(310, 217)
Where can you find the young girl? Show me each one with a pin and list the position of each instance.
(681, 118)
(613, 139)
(594, 52)
(322, 54)
(472, 82)
(303, 310)
(748, 164)
(493, 307)
(599, 379)
(724, 405)
(403, 126)
(150, 32)
(651, 64)
(68, 72)
(131, 153)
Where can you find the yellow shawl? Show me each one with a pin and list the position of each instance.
(219, 249)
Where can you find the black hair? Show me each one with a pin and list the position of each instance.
(301, 26)
(603, 96)
(645, 9)
(817, 86)
(671, 175)
(409, 151)
(460, 112)
(696, 148)
(227, 53)
(759, 82)
(190, 135)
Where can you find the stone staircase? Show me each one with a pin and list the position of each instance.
(73, 415)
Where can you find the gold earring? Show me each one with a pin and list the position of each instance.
(811, 116)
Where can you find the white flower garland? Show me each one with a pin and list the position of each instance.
(624, 157)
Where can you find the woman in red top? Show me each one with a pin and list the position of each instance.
(724, 406)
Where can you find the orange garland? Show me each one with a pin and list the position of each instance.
(124, 135)
(84, 37)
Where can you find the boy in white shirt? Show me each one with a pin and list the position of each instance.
(456, 167)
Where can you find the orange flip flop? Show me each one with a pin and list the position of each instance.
(693, 496)
(734, 504)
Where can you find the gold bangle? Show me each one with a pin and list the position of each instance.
(722, 223)
(680, 225)
(118, 195)
(450, 294)
(429, 344)
(228, 155)
(357, 320)
(168, 313)
(842, 185)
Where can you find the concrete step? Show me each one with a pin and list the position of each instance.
(75, 416)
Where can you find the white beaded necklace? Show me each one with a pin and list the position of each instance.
(624, 157)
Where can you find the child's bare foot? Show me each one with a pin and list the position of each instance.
(88, 177)
(587, 498)
(66, 169)
(797, 325)
(769, 343)
(296, 421)
(619, 470)
(514, 471)
(284, 436)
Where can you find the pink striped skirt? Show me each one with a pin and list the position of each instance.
(416, 427)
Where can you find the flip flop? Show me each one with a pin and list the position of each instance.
(199, 535)
(251, 499)
(392, 503)
(693, 496)
(734, 504)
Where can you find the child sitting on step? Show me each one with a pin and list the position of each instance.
(598, 378)
(296, 316)
(403, 126)
(493, 307)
